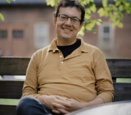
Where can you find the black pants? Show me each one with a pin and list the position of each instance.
(31, 106)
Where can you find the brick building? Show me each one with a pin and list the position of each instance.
(28, 26)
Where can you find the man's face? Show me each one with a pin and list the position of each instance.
(66, 29)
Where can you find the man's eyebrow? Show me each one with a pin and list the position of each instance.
(71, 17)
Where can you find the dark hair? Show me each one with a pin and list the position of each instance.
(71, 3)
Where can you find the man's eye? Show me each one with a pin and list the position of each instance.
(74, 20)
(63, 17)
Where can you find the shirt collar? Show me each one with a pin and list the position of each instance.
(53, 46)
(83, 46)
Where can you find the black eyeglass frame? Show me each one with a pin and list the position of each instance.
(69, 17)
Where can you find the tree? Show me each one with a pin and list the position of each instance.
(112, 10)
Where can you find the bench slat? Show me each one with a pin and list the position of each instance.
(120, 68)
(7, 110)
(13, 90)
(13, 66)
(122, 91)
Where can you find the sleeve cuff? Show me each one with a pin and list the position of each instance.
(106, 96)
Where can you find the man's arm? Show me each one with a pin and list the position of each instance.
(30, 86)
(104, 84)
(96, 101)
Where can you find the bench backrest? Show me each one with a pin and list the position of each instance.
(119, 68)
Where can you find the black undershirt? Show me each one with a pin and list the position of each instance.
(67, 50)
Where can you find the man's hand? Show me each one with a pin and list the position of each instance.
(56, 103)
(72, 105)
(63, 105)
(75, 105)
(60, 104)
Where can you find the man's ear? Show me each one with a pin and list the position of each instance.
(81, 26)
(54, 20)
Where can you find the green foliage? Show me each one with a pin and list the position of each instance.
(99, 21)
(52, 3)
(1, 16)
(90, 25)
(88, 13)
(113, 11)
(81, 32)
(83, 2)
(93, 8)
(101, 12)
(8, 1)
(104, 2)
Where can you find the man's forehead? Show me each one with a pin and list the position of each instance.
(70, 11)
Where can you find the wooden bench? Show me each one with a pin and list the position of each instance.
(120, 68)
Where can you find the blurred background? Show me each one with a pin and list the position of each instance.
(28, 26)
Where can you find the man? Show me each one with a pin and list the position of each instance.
(67, 75)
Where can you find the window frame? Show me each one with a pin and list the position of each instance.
(38, 34)
(4, 38)
(102, 44)
(17, 37)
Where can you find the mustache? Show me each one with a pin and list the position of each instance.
(67, 27)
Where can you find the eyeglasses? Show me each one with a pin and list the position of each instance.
(64, 18)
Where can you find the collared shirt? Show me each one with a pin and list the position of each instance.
(83, 75)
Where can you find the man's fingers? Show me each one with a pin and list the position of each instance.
(63, 111)
(61, 98)
(59, 111)
(63, 102)
(56, 111)
(57, 105)
(58, 108)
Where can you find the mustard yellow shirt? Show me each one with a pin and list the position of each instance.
(83, 75)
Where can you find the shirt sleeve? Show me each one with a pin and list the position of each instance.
(30, 87)
(104, 84)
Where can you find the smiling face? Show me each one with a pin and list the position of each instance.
(66, 31)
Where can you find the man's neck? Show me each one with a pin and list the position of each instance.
(68, 49)
(65, 42)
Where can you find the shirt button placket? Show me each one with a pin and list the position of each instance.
(61, 60)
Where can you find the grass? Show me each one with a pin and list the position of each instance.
(9, 101)
(123, 80)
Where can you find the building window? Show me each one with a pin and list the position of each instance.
(106, 36)
(18, 34)
(3, 34)
(41, 34)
